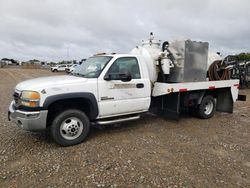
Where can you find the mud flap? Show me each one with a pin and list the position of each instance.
(224, 101)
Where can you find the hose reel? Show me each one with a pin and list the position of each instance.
(216, 71)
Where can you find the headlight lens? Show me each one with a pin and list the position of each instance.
(30, 98)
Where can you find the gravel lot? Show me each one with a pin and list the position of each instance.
(150, 152)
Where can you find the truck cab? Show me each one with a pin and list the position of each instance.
(105, 89)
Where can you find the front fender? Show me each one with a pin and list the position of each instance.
(89, 97)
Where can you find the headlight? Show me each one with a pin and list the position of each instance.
(30, 98)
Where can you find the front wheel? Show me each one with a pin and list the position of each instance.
(207, 107)
(70, 127)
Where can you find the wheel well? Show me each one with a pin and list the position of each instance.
(60, 105)
(195, 97)
(223, 96)
(216, 93)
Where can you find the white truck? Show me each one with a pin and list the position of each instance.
(112, 88)
(58, 68)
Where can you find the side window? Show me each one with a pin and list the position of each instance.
(126, 64)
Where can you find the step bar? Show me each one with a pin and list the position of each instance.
(107, 122)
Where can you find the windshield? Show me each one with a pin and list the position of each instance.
(92, 67)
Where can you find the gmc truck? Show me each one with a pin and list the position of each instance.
(113, 88)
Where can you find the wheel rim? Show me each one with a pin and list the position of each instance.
(71, 128)
(208, 107)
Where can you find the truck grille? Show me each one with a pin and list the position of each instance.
(16, 98)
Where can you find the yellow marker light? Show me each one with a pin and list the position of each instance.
(30, 104)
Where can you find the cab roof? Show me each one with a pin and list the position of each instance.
(115, 55)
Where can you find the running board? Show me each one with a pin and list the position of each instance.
(106, 122)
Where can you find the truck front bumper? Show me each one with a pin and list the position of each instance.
(28, 120)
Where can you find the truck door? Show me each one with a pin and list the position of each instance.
(117, 97)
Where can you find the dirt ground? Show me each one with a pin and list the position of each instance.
(150, 152)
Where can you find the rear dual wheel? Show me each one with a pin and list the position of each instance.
(207, 107)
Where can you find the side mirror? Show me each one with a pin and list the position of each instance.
(107, 77)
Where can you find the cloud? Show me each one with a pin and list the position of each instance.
(75, 29)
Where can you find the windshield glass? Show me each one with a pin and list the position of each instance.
(92, 67)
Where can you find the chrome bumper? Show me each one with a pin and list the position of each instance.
(30, 121)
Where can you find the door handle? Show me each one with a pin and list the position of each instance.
(140, 85)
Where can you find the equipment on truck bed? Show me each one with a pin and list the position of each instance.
(189, 59)
(179, 61)
(217, 71)
(231, 67)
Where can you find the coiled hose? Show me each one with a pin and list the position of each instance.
(214, 74)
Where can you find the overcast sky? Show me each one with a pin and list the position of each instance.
(53, 30)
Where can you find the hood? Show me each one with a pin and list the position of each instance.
(51, 81)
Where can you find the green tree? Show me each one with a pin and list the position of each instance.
(244, 56)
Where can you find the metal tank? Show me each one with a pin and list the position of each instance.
(149, 52)
(190, 61)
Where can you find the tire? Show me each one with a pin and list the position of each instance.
(70, 127)
(55, 70)
(206, 109)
